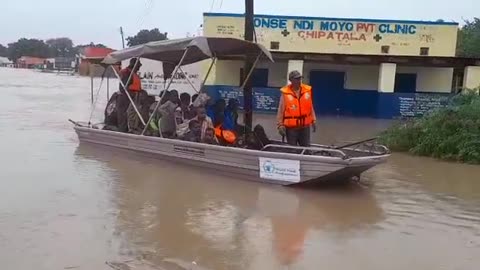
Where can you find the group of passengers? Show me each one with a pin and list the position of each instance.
(196, 118)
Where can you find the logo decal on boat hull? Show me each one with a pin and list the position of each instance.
(280, 169)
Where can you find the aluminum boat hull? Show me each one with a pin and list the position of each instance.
(239, 162)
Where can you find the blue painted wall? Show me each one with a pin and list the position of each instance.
(264, 99)
(355, 103)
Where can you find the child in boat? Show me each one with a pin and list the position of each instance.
(183, 112)
(204, 120)
(194, 131)
(210, 137)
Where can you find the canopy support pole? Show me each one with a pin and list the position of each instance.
(214, 59)
(91, 87)
(95, 100)
(251, 71)
(165, 91)
(126, 91)
(247, 89)
(108, 88)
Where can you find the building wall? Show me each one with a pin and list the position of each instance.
(337, 35)
(472, 77)
(358, 77)
(87, 69)
(228, 73)
(359, 96)
(353, 102)
(436, 80)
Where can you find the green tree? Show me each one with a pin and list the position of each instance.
(145, 36)
(3, 51)
(62, 47)
(468, 42)
(28, 47)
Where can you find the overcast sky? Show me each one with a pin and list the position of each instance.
(99, 20)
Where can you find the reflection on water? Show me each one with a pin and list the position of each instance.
(71, 206)
(230, 220)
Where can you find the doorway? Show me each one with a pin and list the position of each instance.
(405, 83)
(327, 89)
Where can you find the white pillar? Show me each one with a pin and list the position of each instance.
(386, 77)
(471, 77)
(295, 65)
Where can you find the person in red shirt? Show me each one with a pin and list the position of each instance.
(134, 86)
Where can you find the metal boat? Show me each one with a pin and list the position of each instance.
(275, 163)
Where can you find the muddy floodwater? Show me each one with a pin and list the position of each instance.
(70, 206)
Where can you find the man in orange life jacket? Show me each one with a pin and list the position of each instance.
(295, 111)
(134, 86)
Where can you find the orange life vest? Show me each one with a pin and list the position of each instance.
(136, 82)
(298, 110)
(226, 135)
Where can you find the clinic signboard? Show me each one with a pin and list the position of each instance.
(344, 36)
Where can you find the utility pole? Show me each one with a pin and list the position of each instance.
(123, 39)
(247, 91)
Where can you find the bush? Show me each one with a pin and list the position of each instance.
(452, 133)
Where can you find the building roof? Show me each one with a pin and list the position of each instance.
(95, 52)
(366, 59)
(5, 60)
(287, 17)
(30, 60)
(363, 59)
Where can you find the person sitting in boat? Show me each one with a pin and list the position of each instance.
(202, 100)
(167, 124)
(175, 98)
(224, 137)
(194, 132)
(295, 113)
(204, 120)
(191, 107)
(163, 120)
(209, 137)
(219, 112)
(258, 138)
(143, 103)
(134, 86)
(183, 112)
(110, 113)
(230, 121)
(211, 108)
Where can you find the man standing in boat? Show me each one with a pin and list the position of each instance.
(295, 111)
(134, 87)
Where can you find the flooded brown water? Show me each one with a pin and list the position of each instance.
(65, 206)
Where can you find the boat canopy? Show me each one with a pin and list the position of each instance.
(199, 48)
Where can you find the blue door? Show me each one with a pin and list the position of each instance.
(327, 91)
(405, 83)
